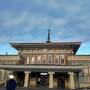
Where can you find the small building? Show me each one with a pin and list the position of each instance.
(49, 64)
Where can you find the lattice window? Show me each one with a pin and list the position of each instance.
(44, 59)
(32, 61)
(56, 59)
(38, 59)
(50, 58)
(62, 59)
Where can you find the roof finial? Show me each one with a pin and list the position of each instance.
(48, 38)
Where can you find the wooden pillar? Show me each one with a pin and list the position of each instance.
(2, 76)
(26, 79)
(51, 79)
(72, 80)
(77, 80)
(27, 62)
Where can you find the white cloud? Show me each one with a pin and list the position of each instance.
(68, 19)
(13, 19)
(4, 39)
(60, 22)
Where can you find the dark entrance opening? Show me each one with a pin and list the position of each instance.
(42, 80)
(20, 79)
(61, 82)
(61, 77)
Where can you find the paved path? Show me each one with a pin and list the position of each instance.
(18, 88)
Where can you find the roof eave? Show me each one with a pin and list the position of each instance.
(74, 45)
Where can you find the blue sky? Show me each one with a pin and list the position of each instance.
(29, 21)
